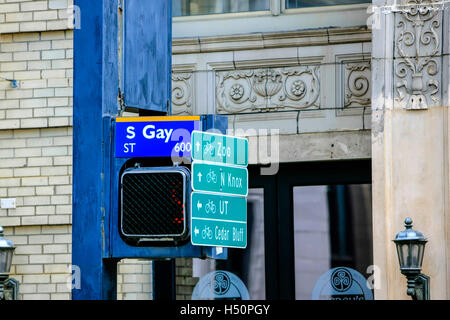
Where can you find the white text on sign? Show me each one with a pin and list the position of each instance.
(149, 132)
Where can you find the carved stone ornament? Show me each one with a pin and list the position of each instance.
(418, 46)
(263, 90)
(181, 93)
(357, 86)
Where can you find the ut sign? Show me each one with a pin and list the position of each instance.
(122, 61)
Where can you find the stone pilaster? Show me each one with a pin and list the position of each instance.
(410, 138)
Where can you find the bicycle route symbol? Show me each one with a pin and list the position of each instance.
(209, 149)
(210, 207)
(207, 233)
(211, 176)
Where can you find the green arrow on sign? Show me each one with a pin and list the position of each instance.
(219, 179)
(219, 148)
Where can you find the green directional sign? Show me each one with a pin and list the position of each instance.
(219, 148)
(219, 233)
(216, 206)
(220, 184)
(219, 179)
(218, 220)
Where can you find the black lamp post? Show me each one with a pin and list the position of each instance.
(6, 255)
(410, 249)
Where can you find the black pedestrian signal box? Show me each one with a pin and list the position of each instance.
(154, 205)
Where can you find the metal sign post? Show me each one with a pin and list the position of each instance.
(104, 86)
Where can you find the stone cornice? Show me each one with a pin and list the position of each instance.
(271, 40)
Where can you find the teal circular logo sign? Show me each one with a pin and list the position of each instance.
(342, 283)
(220, 285)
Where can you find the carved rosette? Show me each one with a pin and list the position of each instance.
(181, 93)
(418, 46)
(357, 84)
(264, 90)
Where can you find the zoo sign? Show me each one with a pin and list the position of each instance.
(218, 148)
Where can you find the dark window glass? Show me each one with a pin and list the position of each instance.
(248, 264)
(197, 7)
(332, 228)
(290, 4)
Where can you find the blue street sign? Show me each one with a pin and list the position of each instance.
(155, 136)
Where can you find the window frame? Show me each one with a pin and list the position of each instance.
(283, 5)
(274, 9)
(277, 7)
(251, 21)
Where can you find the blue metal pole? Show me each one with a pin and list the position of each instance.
(94, 77)
(96, 243)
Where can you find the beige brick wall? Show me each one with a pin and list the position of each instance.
(35, 169)
(42, 64)
(185, 283)
(42, 261)
(134, 279)
(34, 15)
(36, 49)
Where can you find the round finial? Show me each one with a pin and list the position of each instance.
(408, 223)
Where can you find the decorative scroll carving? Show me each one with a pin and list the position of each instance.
(418, 42)
(357, 84)
(181, 93)
(267, 89)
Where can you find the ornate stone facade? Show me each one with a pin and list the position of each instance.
(417, 50)
(182, 93)
(357, 90)
(410, 149)
(353, 84)
(262, 90)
